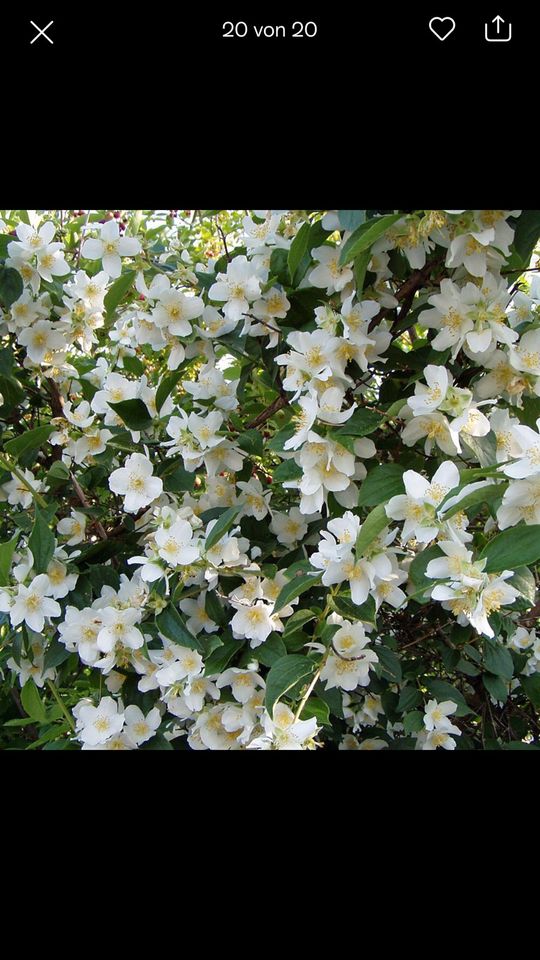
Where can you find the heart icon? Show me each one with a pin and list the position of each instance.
(442, 27)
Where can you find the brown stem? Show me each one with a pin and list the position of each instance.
(82, 498)
(406, 293)
(57, 402)
(276, 405)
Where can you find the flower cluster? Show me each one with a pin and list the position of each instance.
(269, 480)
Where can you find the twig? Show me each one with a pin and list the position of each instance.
(81, 496)
(276, 405)
(57, 402)
(223, 240)
(406, 292)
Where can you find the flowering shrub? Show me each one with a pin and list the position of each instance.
(269, 480)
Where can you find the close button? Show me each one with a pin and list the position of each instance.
(41, 33)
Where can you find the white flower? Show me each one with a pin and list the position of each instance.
(40, 340)
(436, 716)
(303, 422)
(115, 389)
(457, 565)
(289, 527)
(525, 355)
(283, 732)
(31, 241)
(79, 633)
(327, 466)
(60, 581)
(237, 288)
(349, 663)
(436, 428)
(73, 527)
(429, 398)
(435, 739)
(32, 605)
(186, 663)
(110, 247)
(198, 618)
(418, 506)
(521, 501)
(313, 355)
(18, 492)
(243, 683)
(328, 273)
(91, 290)
(255, 622)
(135, 482)
(118, 626)
(138, 727)
(255, 500)
(175, 311)
(474, 605)
(97, 724)
(175, 544)
(528, 463)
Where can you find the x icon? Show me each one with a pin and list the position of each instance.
(41, 32)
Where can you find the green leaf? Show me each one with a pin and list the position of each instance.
(214, 609)
(118, 291)
(365, 236)
(315, 707)
(417, 569)
(531, 688)
(28, 441)
(366, 612)
(485, 494)
(11, 390)
(360, 267)
(276, 443)
(271, 650)
(278, 265)
(166, 387)
(41, 542)
(512, 548)
(220, 658)
(171, 624)
(285, 674)
(298, 620)
(441, 690)
(11, 285)
(7, 550)
(252, 442)
(409, 697)
(526, 235)
(382, 483)
(177, 480)
(31, 702)
(297, 249)
(55, 655)
(390, 662)
(351, 219)
(496, 687)
(221, 527)
(523, 580)
(157, 742)
(413, 722)
(294, 588)
(375, 521)
(519, 745)
(288, 470)
(498, 659)
(5, 240)
(134, 414)
(360, 424)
